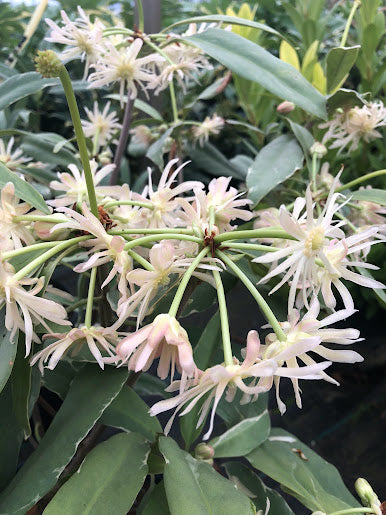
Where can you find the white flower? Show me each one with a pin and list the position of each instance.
(309, 335)
(349, 127)
(166, 207)
(102, 124)
(223, 200)
(75, 187)
(210, 126)
(97, 338)
(11, 159)
(165, 261)
(165, 339)
(13, 234)
(33, 308)
(221, 379)
(82, 36)
(312, 237)
(125, 67)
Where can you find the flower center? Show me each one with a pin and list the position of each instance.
(314, 241)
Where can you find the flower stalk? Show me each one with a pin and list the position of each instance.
(226, 338)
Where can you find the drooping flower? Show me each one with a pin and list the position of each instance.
(165, 261)
(98, 339)
(210, 126)
(11, 159)
(348, 128)
(33, 309)
(81, 36)
(75, 187)
(165, 339)
(100, 124)
(13, 234)
(124, 66)
(310, 335)
(220, 379)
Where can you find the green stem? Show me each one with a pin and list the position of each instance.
(35, 218)
(152, 231)
(141, 21)
(47, 255)
(114, 203)
(359, 180)
(25, 250)
(212, 217)
(142, 261)
(157, 237)
(226, 337)
(184, 282)
(171, 83)
(268, 313)
(251, 246)
(84, 157)
(79, 304)
(353, 510)
(355, 6)
(90, 297)
(314, 169)
(275, 232)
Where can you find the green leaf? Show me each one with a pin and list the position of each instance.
(108, 480)
(22, 85)
(250, 483)
(214, 89)
(252, 62)
(233, 412)
(275, 163)
(151, 386)
(195, 488)
(339, 62)
(203, 357)
(242, 438)
(232, 20)
(148, 109)
(130, 413)
(90, 393)
(212, 161)
(155, 502)
(41, 147)
(21, 387)
(345, 99)
(11, 437)
(370, 195)
(8, 350)
(312, 480)
(157, 149)
(305, 139)
(59, 379)
(23, 190)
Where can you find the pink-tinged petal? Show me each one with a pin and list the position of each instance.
(339, 356)
(95, 351)
(309, 372)
(279, 254)
(219, 393)
(131, 342)
(253, 348)
(361, 280)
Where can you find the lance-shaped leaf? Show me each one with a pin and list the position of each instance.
(23, 190)
(89, 395)
(8, 350)
(157, 149)
(339, 63)
(21, 387)
(275, 163)
(21, 85)
(243, 437)
(108, 480)
(371, 195)
(252, 62)
(155, 502)
(250, 483)
(345, 99)
(210, 159)
(194, 488)
(301, 472)
(129, 412)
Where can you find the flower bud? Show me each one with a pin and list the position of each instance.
(319, 149)
(318, 513)
(368, 496)
(204, 452)
(285, 107)
(43, 230)
(48, 64)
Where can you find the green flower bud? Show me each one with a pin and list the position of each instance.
(203, 451)
(319, 149)
(48, 64)
(368, 496)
